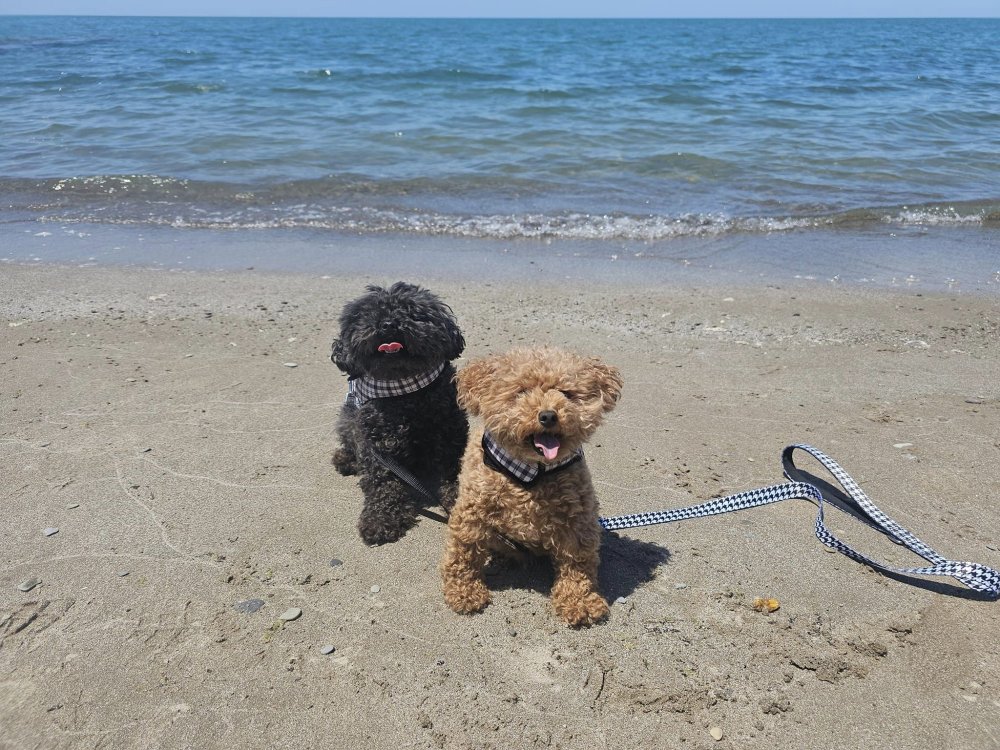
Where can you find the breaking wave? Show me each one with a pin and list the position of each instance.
(359, 206)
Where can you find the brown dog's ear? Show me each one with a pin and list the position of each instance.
(609, 381)
(473, 382)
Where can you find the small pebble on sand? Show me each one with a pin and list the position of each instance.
(334, 563)
(291, 364)
(327, 649)
(375, 589)
(716, 733)
(29, 584)
(292, 613)
(72, 505)
(249, 606)
(620, 600)
(50, 530)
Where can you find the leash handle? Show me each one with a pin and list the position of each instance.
(974, 575)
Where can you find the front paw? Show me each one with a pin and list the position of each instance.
(345, 462)
(375, 531)
(466, 597)
(584, 611)
(449, 494)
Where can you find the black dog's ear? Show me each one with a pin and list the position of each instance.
(341, 357)
(457, 341)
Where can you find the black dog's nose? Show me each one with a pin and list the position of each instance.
(385, 326)
(547, 418)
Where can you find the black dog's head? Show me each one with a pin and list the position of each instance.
(395, 332)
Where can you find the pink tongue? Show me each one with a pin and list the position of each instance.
(547, 444)
(392, 348)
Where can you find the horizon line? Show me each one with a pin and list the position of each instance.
(505, 18)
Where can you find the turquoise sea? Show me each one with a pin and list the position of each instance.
(635, 131)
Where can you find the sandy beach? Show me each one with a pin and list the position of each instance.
(154, 419)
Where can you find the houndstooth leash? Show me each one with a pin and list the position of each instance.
(977, 577)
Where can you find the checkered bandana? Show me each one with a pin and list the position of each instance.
(363, 389)
(527, 474)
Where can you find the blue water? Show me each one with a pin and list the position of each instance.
(636, 130)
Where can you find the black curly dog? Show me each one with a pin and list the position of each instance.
(388, 338)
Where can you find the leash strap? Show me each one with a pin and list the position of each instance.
(977, 577)
(415, 484)
(407, 477)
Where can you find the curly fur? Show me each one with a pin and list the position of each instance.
(424, 431)
(557, 516)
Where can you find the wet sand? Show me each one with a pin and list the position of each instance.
(150, 416)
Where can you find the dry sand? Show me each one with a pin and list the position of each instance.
(151, 417)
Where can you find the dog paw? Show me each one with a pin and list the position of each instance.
(587, 610)
(374, 534)
(449, 494)
(467, 597)
(345, 462)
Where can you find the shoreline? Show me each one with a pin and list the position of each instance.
(152, 419)
(930, 259)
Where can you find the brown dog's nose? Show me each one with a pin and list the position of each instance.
(547, 418)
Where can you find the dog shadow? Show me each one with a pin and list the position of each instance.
(626, 564)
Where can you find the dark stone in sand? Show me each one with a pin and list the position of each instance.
(249, 606)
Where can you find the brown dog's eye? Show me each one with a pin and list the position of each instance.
(572, 396)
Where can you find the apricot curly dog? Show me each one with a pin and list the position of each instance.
(523, 475)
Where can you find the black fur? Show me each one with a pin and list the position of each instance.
(425, 431)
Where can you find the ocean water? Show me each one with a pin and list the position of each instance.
(633, 130)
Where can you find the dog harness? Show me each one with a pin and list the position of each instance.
(520, 471)
(974, 575)
(363, 389)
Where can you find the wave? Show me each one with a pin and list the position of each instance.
(358, 205)
(504, 227)
(566, 226)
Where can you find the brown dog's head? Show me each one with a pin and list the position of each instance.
(540, 405)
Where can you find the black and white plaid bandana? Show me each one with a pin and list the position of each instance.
(363, 389)
(527, 474)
